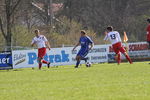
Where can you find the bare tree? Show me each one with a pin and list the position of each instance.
(6, 21)
(122, 14)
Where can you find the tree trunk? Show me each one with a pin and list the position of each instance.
(9, 35)
(8, 23)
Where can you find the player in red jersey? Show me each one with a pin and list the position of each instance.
(42, 43)
(114, 38)
(148, 33)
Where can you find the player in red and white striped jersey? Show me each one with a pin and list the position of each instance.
(42, 43)
(114, 38)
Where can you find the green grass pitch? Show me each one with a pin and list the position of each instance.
(100, 82)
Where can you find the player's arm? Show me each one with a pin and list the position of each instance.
(32, 43)
(147, 29)
(118, 35)
(48, 45)
(106, 37)
(147, 32)
(91, 45)
(76, 46)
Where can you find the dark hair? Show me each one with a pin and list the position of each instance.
(36, 30)
(148, 20)
(83, 31)
(109, 28)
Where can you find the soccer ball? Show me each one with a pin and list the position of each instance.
(88, 64)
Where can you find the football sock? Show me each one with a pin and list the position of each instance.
(40, 65)
(128, 58)
(119, 58)
(77, 64)
(48, 65)
(45, 62)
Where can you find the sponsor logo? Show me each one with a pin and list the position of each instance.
(19, 58)
(63, 57)
(95, 50)
(4, 60)
(133, 47)
(20, 61)
(138, 47)
(98, 57)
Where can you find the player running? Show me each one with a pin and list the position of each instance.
(85, 42)
(114, 38)
(42, 43)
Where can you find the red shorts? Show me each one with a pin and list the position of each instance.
(118, 48)
(41, 52)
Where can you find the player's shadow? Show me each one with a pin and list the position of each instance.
(10, 70)
(17, 70)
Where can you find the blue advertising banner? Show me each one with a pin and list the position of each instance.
(6, 60)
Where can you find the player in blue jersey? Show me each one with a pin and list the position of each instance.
(86, 45)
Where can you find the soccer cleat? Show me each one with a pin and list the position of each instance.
(48, 65)
(86, 59)
(131, 63)
(76, 67)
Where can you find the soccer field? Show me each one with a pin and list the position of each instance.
(100, 82)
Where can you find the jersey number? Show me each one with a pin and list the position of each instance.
(113, 36)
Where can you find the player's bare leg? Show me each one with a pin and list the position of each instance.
(78, 59)
(45, 62)
(48, 65)
(127, 57)
(40, 63)
(119, 58)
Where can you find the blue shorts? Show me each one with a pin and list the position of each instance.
(82, 53)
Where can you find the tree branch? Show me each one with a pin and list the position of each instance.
(1, 27)
(15, 6)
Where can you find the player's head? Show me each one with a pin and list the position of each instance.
(83, 33)
(37, 32)
(148, 20)
(109, 28)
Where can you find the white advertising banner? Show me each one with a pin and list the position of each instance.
(65, 56)
(57, 56)
(137, 51)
